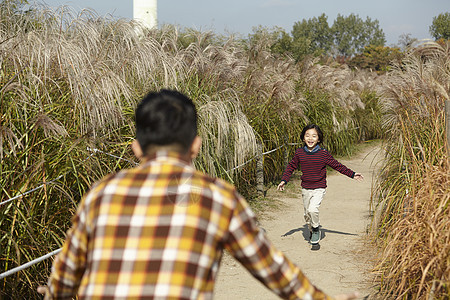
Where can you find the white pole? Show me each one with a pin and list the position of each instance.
(145, 11)
(29, 264)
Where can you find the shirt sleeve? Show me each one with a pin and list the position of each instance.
(291, 167)
(248, 244)
(338, 166)
(69, 265)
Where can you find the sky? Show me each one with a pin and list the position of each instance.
(396, 17)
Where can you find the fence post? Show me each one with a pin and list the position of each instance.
(286, 155)
(259, 170)
(447, 124)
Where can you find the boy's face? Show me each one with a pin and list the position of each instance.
(311, 138)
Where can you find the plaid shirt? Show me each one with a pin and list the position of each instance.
(158, 231)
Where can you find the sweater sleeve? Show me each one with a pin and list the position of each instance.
(292, 166)
(332, 162)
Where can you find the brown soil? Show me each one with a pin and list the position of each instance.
(342, 263)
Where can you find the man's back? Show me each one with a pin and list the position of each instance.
(156, 230)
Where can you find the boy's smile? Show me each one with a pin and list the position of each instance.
(311, 138)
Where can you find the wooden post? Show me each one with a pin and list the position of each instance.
(286, 155)
(447, 124)
(260, 170)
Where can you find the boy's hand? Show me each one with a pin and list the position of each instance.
(280, 187)
(358, 176)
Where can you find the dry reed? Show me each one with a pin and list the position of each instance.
(413, 228)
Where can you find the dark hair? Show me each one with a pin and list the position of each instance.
(166, 118)
(312, 126)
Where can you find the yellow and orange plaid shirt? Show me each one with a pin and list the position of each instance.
(158, 231)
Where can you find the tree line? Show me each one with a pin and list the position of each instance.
(350, 39)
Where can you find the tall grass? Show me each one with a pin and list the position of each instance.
(413, 227)
(344, 102)
(70, 82)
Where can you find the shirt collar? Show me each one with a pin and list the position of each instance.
(316, 148)
(171, 156)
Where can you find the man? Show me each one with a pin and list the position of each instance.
(158, 231)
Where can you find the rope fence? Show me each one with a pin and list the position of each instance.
(30, 191)
(29, 264)
(94, 151)
(251, 159)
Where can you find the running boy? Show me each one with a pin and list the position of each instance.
(313, 161)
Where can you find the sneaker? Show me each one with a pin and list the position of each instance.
(315, 236)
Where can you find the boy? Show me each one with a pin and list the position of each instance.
(313, 161)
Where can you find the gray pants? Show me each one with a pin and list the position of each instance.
(311, 203)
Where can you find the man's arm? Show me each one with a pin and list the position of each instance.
(69, 265)
(250, 247)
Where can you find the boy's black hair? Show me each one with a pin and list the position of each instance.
(165, 118)
(312, 126)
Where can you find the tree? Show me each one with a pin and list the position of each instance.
(376, 58)
(440, 27)
(283, 43)
(312, 36)
(352, 34)
(347, 37)
(405, 41)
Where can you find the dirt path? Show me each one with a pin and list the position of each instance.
(340, 265)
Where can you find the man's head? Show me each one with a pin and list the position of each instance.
(166, 120)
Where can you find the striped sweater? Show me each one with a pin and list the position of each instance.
(313, 167)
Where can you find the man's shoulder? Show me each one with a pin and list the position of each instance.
(189, 173)
(216, 183)
(100, 184)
